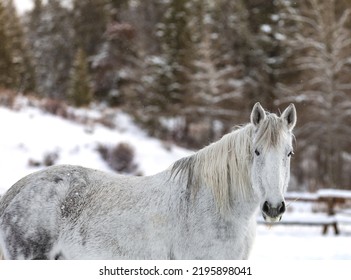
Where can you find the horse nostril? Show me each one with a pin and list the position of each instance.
(266, 207)
(281, 208)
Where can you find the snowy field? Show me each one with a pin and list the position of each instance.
(283, 243)
(28, 134)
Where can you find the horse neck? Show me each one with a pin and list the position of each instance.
(223, 166)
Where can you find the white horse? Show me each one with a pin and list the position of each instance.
(203, 207)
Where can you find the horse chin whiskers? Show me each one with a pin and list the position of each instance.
(292, 202)
(271, 220)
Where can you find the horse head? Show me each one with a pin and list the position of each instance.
(271, 152)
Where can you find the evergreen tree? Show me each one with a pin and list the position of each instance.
(80, 93)
(263, 55)
(116, 65)
(319, 48)
(218, 80)
(90, 19)
(167, 74)
(51, 39)
(23, 68)
(7, 71)
(177, 52)
(16, 71)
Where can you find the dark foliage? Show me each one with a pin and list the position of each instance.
(119, 158)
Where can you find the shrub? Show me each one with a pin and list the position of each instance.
(119, 158)
(7, 98)
(55, 107)
(48, 159)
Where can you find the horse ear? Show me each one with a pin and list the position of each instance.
(257, 114)
(289, 115)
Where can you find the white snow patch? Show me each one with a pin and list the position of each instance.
(334, 193)
(266, 28)
(284, 243)
(29, 134)
(279, 36)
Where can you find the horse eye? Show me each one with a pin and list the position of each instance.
(290, 154)
(257, 152)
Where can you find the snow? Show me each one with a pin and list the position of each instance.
(23, 5)
(301, 195)
(279, 36)
(266, 28)
(29, 133)
(334, 193)
(284, 243)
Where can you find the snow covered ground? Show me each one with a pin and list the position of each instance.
(283, 243)
(28, 134)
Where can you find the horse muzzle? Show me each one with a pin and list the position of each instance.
(273, 214)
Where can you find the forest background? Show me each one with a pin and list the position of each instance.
(188, 70)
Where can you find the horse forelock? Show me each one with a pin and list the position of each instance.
(271, 133)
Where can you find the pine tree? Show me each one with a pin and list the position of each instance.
(167, 74)
(51, 39)
(80, 93)
(177, 50)
(7, 71)
(319, 47)
(263, 53)
(23, 67)
(89, 21)
(218, 80)
(116, 65)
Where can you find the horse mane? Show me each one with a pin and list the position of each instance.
(225, 165)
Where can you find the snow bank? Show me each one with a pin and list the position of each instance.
(29, 134)
(334, 193)
(284, 243)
